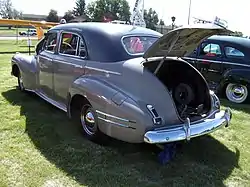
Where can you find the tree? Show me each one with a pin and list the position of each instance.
(7, 11)
(151, 18)
(69, 15)
(238, 33)
(112, 9)
(53, 17)
(79, 9)
(161, 22)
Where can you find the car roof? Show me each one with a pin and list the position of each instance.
(245, 42)
(103, 40)
(108, 29)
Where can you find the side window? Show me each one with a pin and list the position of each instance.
(68, 44)
(233, 53)
(210, 49)
(82, 49)
(39, 46)
(50, 44)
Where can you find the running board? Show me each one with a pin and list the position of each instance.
(51, 101)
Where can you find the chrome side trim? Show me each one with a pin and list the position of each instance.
(216, 61)
(46, 58)
(102, 70)
(115, 123)
(115, 117)
(68, 63)
(186, 131)
(51, 52)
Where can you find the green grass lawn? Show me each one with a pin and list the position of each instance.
(5, 31)
(13, 46)
(41, 147)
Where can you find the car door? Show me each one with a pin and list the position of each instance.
(68, 63)
(45, 63)
(209, 62)
(235, 57)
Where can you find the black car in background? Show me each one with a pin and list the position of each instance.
(225, 63)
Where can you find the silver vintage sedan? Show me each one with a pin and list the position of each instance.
(125, 82)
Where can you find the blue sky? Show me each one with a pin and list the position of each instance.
(232, 11)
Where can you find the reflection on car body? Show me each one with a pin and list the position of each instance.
(88, 71)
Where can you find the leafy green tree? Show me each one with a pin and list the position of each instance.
(161, 22)
(53, 17)
(113, 9)
(7, 10)
(69, 15)
(79, 9)
(151, 18)
(238, 33)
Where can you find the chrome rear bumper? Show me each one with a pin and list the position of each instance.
(187, 131)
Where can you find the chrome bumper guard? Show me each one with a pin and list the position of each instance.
(187, 131)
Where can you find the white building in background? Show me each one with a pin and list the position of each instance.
(119, 22)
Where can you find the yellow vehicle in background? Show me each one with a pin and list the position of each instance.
(39, 25)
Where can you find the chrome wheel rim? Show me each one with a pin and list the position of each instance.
(236, 93)
(88, 121)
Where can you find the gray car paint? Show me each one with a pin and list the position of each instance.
(118, 91)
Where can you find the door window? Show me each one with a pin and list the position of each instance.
(69, 43)
(232, 52)
(50, 43)
(82, 49)
(210, 49)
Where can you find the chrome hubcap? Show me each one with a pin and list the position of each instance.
(90, 118)
(236, 93)
(88, 122)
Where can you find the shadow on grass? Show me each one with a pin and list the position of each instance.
(239, 107)
(202, 162)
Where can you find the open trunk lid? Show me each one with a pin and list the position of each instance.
(183, 40)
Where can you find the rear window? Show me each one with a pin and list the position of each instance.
(135, 45)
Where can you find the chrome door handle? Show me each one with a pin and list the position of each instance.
(78, 66)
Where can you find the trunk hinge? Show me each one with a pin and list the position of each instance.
(168, 51)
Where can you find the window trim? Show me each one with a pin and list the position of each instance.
(77, 46)
(210, 43)
(233, 57)
(135, 35)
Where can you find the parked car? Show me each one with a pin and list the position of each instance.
(30, 32)
(225, 63)
(123, 81)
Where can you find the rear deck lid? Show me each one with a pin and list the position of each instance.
(183, 40)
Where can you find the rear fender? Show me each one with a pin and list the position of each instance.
(238, 76)
(95, 90)
(121, 116)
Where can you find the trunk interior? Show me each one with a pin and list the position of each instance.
(187, 88)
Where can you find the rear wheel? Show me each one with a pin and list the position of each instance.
(88, 119)
(236, 93)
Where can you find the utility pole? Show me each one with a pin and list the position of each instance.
(189, 10)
